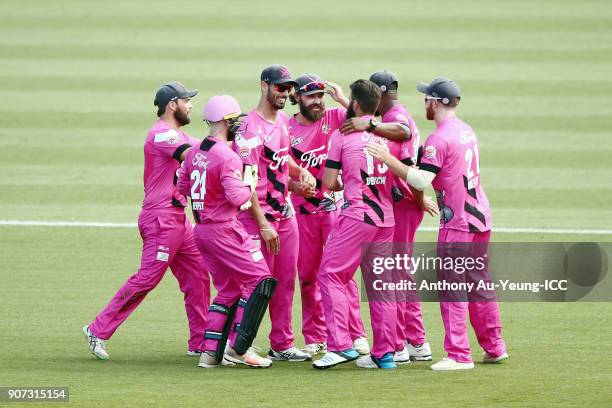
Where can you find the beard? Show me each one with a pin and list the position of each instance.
(310, 114)
(274, 101)
(429, 112)
(181, 117)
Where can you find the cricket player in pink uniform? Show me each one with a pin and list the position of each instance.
(450, 163)
(212, 176)
(317, 209)
(263, 145)
(366, 217)
(166, 232)
(408, 208)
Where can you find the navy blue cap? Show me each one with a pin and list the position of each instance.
(277, 74)
(443, 88)
(172, 91)
(385, 80)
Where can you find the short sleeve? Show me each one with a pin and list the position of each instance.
(405, 155)
(434, 154)
(169, 143)
(247, 145)
(183, 181)
(236, 192)
(334, 156)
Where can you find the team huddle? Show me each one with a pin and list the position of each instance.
(275, 198)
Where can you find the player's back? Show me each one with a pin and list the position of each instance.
(367, 181)
(212, 177)
(452, 152)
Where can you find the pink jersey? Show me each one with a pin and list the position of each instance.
(309, 146)
(367, 182)
(451, 152)
(266, 145)
(408, 149)
(212, 176)
(162, 150)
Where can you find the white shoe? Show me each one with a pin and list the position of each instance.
(419, 353)
(207, 361)
(361, 346)
(97, 346)
(366, 362)
(333, 358)
(487, 359)
(400, 357)
(291, 354)
(448, 364)
(250, 358)
(313, 349)
(194, 353)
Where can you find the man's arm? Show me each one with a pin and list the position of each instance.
(331, 180)
(301, 173)
(393, 130)
(417, 178)
(335, 92)
(267, 233)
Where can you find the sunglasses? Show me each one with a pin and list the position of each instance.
(312, 86)
(282, 87)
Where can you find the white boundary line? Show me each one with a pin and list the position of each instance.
(16, 223)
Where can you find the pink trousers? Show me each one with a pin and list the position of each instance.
(484, 316)
(314, 230)
(167, 242)
(341, 257)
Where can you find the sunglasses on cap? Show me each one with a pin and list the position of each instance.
(312, 86)
(282, 87)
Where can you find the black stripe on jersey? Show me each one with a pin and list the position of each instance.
(470, 209)
(207, 144)
(408, 161)
(397, 194)
(179, 150)
(273, 202)
(368, 220)
(269, 153)
(473, 228)
(429, 167)
(419, 155)
(470, 191)
(375, 207)
(373, 189)
(332, 164)
(304, 211)
(319, 184)
(278, 186)
(314, 201)
(296, 153)
(176, 203)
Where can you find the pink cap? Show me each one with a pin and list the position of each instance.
(221, 107)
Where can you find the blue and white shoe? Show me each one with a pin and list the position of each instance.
(333, 358)
(369, 361)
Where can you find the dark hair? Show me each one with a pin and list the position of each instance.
(292, 99)
(367, 94)
(161, 110)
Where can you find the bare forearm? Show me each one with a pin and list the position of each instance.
(393, 131)
(256, 212)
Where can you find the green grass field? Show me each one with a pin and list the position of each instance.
(77, 80)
